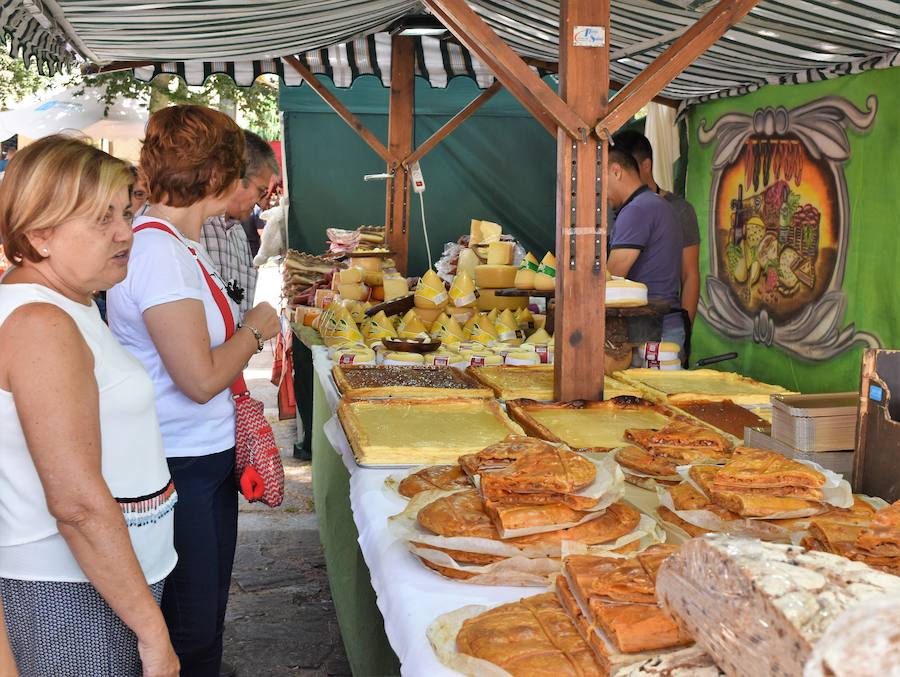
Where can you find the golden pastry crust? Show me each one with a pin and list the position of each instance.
(501, 454)
(447, 572)
(522, 412)
(618, 520)
(547, 470)
(460, 514)
(508, 517)
(751, 467)
(686, 497)
(369, 381)
(461, 556)
(882, 537)
(681, 434)
(761, 505)
(533, 636)
(637, 459)
(573, 501)
(670, 517)
(444, 477)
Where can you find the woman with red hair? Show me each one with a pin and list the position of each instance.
(166, 314)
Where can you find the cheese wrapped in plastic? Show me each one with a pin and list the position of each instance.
(378, 327)
(412, 328)
(527, 270)
(354, 354)
(467, 262)
(524, 319)
(506, 326)
(482, 330)
(538, 338)
(342, 328)
(545, 278)
(447, 330)
(395, 286)
(462, 291)
(430, 291)
(401, 358)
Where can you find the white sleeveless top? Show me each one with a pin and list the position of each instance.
(132, 459)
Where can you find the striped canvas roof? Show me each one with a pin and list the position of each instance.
(778, 41)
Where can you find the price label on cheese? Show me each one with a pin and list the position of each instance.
(346, 359)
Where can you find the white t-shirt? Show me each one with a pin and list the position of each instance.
(133, 464)
(162, 270)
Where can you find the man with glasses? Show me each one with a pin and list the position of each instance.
(224, 237)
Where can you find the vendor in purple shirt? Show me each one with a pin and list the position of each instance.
(646, 240)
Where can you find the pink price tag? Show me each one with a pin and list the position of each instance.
(346, 359)
(441, 361)
(651, 351)
(477, 362)
(653, 364)
(544, 353)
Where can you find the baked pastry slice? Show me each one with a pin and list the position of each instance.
(501, 497)
(762, 505)
(681, 434)
(613, 579)
(883, 535)
(617, 520)
(459, 514)
(501, 454)
(758, 468)
(445, 477)
(542, 470)
(533, 636)
(508, 517)
(635, 458)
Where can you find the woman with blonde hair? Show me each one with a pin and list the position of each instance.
(167, 313)
(86, 498)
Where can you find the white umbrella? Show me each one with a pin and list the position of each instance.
(64, 111)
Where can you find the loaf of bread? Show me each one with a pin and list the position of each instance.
(759, 608)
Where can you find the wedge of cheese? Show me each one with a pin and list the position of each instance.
(430, 291)
(545, 278)
(500, 253)
(488, 300)
(395, 286)
(495, 276)
(462, 291)
(467, 262)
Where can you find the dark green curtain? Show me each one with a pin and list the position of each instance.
(500, 165)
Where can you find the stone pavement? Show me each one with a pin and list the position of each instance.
(281, 620)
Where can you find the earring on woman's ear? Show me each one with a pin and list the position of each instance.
(46, 251)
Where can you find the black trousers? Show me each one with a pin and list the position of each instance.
(196, 592)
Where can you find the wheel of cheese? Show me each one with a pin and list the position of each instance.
(621, 293)
(400, 358)
(523, 358)
(495, 277)
(488, 300)
(664, 365)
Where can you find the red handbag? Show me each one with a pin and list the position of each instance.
(257, 462)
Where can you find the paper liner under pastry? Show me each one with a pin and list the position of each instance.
(515, 571)
(836, 492)
(405, 526)
(392, 482)
(442, 634)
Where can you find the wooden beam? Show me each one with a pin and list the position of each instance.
(400, 145)
(89, 69)
(523, 83)
(668, 65)
(580, 331)
(452, 124)
(338, 107)
(553, 67)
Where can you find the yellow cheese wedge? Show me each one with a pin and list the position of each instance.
(490, 232)
(370, 263)
(378, 327)
(524, 318)
(474, 231)
(410, 314)
(462, 291)
(412, 328)
(500, 253)
(540, 337)
(467, 262)
(398, 357)
(428, 315)
(354, 355)
(344, 330)
(395, 286)
(506, 326)
(483, 331)
(373, 278)
(461, 315)
(523, 358)
(529, 263)
(545, 278)
(430, 292)
(493, 315)
(487, 300)
(495, 277)
(524, 279)
(351, 276)
(447, 330)
(358, 310)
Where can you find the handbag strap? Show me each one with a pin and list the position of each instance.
(239, 387)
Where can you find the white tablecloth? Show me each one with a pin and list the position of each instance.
(409, 595)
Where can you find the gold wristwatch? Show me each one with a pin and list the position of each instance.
(260, 344)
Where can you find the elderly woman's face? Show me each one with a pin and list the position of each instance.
(139, 195)
(88, 254)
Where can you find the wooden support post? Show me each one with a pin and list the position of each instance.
(450, 126)
(523, 83)
(400, 145)
(669, 65)
(339, 108)
(580, 330)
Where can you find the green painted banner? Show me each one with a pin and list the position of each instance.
(796, 196)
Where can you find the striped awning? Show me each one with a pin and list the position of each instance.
(779, 41)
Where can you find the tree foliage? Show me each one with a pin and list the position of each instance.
(256, 107)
